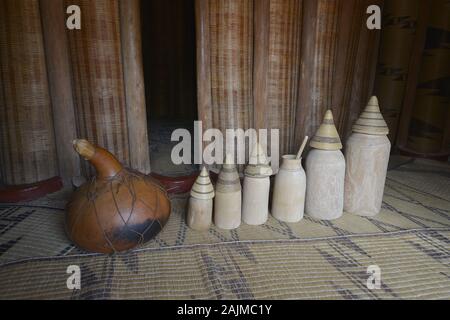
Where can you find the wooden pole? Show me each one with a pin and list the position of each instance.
(130, 33)
(59, 76)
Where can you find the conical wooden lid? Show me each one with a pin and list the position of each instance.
(258, 165)
(371, 120)
(326, 137)
(228, 180)
(203, 188)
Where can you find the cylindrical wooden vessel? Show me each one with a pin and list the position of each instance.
(255, 202)
(200, 207)
(255, 209)
(288, 200)
(325, 172)
(228, 199)
(367, 159)
(199, 214)
(367, 155)
(118, 209)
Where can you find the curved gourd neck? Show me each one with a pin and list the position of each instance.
(106, 165)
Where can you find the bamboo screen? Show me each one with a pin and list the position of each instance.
(305, 56)
(284, 40)
(231, 36)
(26, 127)
(431, 110)
(399, 30)
(98, 77)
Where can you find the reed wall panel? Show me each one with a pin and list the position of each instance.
(283, 69)
(231, 59)
(428, 124)
(398, 34)
(338, 59)
(96, 61)
(27, 139)
(361, 71)
(318, 56)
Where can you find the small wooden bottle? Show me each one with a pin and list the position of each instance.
(255, 204)
(325, 173)
(367, 154)
(288, 200)
(199, 216)
(228, 199)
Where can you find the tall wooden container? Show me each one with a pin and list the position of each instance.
(96, 60)
(325, 173)
(255, 201)
(367, 157)
(27, 139)
(228, 198)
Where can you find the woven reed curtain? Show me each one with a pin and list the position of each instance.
(98, 77)
(26, 127)
(413, 76)
(338, 57)
(276, 68)
(397, 38)
(307, 56)
(229, 33)
(429, 131)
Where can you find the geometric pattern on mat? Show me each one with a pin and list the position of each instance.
(409, 241)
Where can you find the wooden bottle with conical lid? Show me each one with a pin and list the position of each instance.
(200, 207)
(255, 203)
(325, 173)
(228, 199)
(116, 210)
(367, 154)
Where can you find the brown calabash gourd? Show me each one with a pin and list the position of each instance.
(116, 210)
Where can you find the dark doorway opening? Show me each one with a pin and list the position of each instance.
(168, 45)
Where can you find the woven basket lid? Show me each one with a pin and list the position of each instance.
(258, 165)
(228, 180)
(326, 137)
(203, 188)
(371, 120)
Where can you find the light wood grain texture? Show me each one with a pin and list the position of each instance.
(60, 83)
(325, 171)
(27, 142)
(130, 31)
(367, 158)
